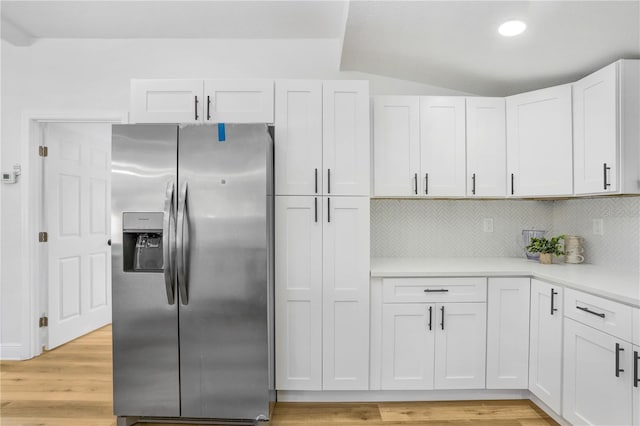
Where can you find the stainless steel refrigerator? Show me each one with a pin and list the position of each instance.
(192, 271)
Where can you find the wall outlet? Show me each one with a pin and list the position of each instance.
(598, 227)
(487, 224)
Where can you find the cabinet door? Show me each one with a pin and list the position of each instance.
(539, 144)
(460, 345)
(345, 293)
(595, 132)
(508, 333)
(396, 145)
(442, 146)
(545, 344)
(345, 138)
(298, 293)
(298, 145)
(408, 337)
(238, 101)
(166, 101)
(595, 391)
(486, 147)
(636, 385)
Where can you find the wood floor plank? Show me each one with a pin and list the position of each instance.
(72, 386)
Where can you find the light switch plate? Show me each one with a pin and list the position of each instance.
(487, 224)
(598, 227)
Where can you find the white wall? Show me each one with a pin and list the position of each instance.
(93, 75)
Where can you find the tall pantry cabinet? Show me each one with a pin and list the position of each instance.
(322, 235)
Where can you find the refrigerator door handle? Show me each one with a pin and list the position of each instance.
(180, 244)
(168, 221)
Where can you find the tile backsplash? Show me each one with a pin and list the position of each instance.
(443, 228)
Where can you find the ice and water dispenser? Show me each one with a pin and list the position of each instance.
(142, 242)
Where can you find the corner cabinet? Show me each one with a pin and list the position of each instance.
(201, 101)
(606, 107)
(322, 138)
(545, 344)
(539, 143)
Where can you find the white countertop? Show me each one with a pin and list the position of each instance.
(605, 282)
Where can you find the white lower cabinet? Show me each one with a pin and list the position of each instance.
(545, 344)
(598, 377)
(508, 303)
(433, 346)
(322, 293)
(636, 385)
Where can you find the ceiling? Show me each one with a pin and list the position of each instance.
(452, 44)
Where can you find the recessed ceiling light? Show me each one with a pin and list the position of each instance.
(512, 28)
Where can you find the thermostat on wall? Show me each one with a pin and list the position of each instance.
(12, 176)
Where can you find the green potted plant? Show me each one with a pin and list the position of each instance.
(546, 247)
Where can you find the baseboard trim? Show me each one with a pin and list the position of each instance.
(401, 395)
(11, 352)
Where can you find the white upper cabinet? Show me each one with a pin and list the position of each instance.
(298, 147)
(486, 147)
(345, 137)
(539, 143)
(396, 134)
(166, 101)
(442, 146)
(606, 107)
(201, 101)
(322, 138)
(238, 101)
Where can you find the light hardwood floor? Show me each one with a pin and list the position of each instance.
(71, 386)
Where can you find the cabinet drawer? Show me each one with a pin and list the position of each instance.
(605, 315)
(421, 290)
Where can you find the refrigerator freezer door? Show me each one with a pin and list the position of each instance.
(223, 323)
(145, 324)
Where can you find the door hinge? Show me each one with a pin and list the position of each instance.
(43, 151)
(43, 322)
(43, 237)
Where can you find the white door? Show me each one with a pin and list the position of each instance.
(396, 145)
(408, 338)
(486, 147)
(238, 101)
(298, 144)
(166, 101)
(508, 302)
(298, 293)
(545, 344)
(345, 303)
(460, 348)
(595, 132)
(598, 377)
(636, 386)
(345, 138)
(539, 143)
(442, 146)
(77, 199)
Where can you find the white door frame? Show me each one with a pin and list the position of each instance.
(32, 211)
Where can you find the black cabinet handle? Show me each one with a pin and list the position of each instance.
(316, 208)
(431, 318)
(435, 290)
(590, 311)
(512, 184)
(636, 358)
(553, 308)
(328, 210)
(328, 181)
(442, 323)
(208, 108)
(316, 180)
(473, 186)
(109, 242)
(604, 172)
(415, 183)
(196, 107)
(426, 183)
(618, 369)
